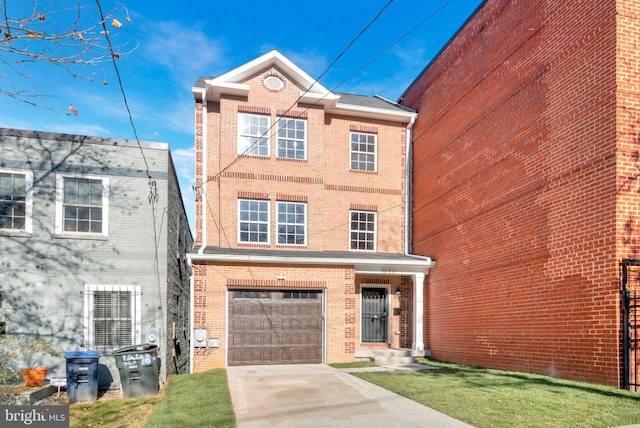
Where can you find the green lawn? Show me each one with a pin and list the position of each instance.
(494, 399)
(189, 400)
(480, 397)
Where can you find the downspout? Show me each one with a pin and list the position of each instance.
(203, 196)
(203, 193)
(191, 312)
(408, 185)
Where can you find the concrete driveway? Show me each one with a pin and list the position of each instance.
(315, 395)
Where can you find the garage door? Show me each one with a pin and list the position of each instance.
(275, 327)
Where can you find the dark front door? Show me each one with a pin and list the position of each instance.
(374, 315)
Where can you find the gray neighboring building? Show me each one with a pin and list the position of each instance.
(92, 254)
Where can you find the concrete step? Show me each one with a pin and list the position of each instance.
(391, 353)
(393, 361)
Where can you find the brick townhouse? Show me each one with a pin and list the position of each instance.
(301, 251)
(526, 188)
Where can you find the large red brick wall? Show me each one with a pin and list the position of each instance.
(516, 193)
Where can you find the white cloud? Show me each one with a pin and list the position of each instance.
(183, 51)
(184, 161)
(177, 115)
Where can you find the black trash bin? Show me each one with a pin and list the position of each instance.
(82, 376)
(138, 367)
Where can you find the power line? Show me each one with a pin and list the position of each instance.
(374, 58)
(124, 96)
(349, 45)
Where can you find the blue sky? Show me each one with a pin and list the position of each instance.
(172, 43)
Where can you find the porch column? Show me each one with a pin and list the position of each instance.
(418, 308)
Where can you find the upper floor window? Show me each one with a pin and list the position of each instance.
(253, 134)
(292, 138)
(16, 200)
(253, 221)
(82, 204)
(363, 151)
(362, 230)
(292, 221)
(112, 316)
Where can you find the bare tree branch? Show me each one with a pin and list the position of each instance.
(71, 38)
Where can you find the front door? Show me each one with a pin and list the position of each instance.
(374, 315)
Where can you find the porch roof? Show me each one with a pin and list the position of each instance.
(364, 262)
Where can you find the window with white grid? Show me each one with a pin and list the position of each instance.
(292, 138)
(112, 316)
(16, 200)
(253, 221)
(363, 151)
(363, 230)
(292, 223)
(82, 204)
(253, 134)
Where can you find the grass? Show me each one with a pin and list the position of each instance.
(195, 400)
(112, 412)
(480, 397)
(356, 364)
(189, 400)
(494, 398)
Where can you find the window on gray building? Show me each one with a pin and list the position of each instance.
(15, 200)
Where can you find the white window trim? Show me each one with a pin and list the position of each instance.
(28, 209)
(375, 232)
(306, 220)
(268, 242)
(267, 136)
(136, 307)
(59, 226)
(304, 140)
(375, 163)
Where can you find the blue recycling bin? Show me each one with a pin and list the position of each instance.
(82, 376)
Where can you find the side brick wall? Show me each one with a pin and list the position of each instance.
(515, 190)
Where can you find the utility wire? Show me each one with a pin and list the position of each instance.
(153, 190)
(378, 55)
(124, 96)
(349, 45)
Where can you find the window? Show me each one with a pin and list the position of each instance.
(16, 200)
(292, 218)
(253, 221)
(82, 204)
(112, 316)
(363, 230)
(246, 294)
(253, 134)
(301, 295)
(292, 137)
(363, 151)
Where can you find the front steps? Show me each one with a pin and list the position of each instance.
(389, 356)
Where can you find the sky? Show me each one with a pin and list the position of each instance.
(166, 45)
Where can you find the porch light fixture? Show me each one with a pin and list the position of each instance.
(281, 277)
(398, 292)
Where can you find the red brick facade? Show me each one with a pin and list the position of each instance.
(525, 186)
(324, 182)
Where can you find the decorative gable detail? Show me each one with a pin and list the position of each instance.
(274, 81)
